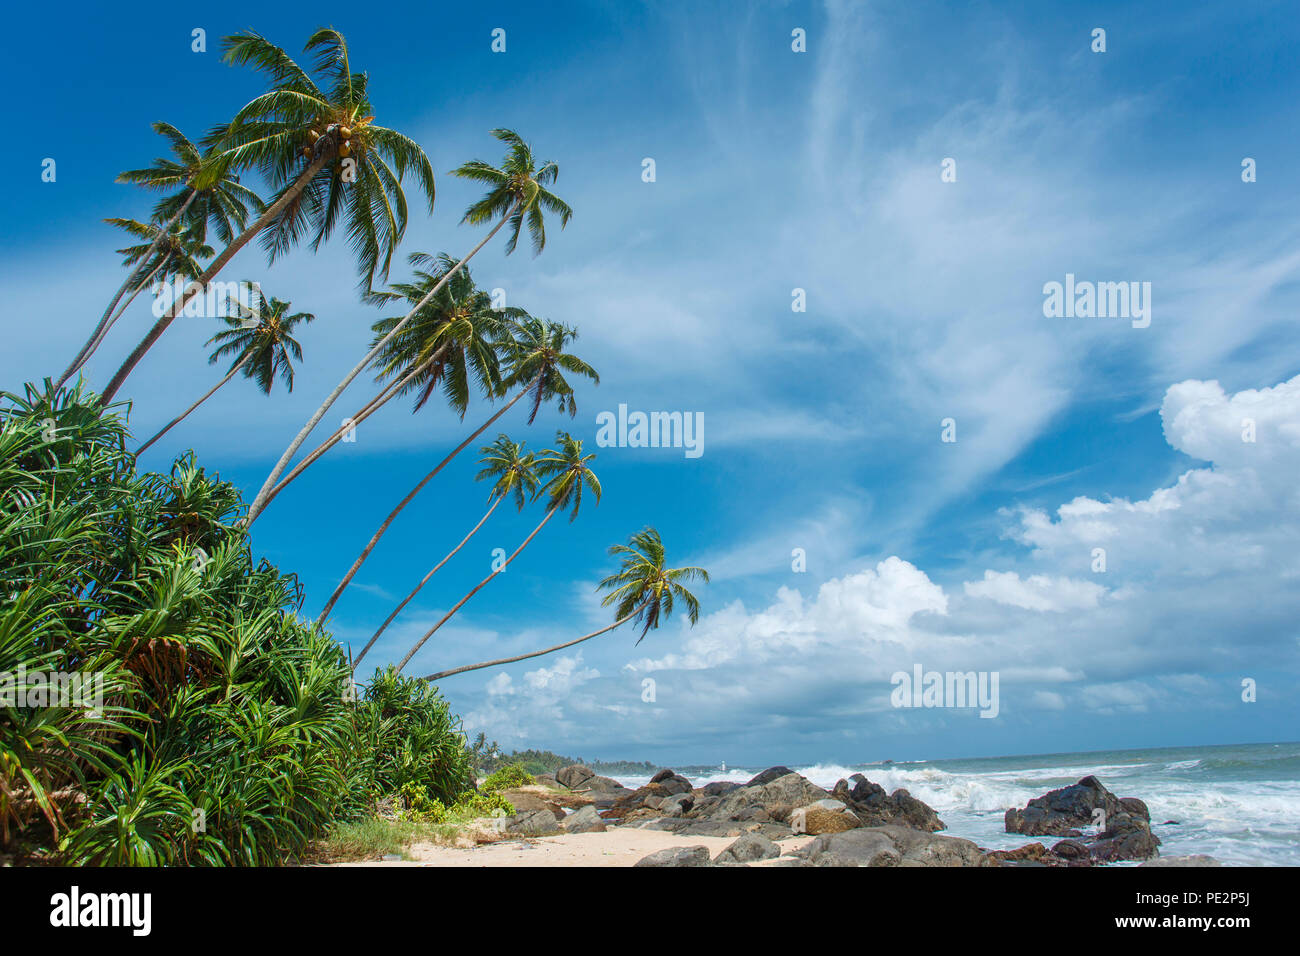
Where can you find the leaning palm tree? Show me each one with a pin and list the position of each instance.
(262, 343)
(452, 339)
(208, 193)
(518, 196)
(161, 256)
(645, 590)
(449, 341)
(318, 147)
(538, 362)
(567, 471)
(515, 476)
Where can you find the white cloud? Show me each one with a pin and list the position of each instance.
(1038, 592)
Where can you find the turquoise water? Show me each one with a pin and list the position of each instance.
(1239, 803)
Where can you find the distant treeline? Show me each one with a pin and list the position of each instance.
(490, 757)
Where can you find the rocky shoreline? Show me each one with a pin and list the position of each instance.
(855, 823)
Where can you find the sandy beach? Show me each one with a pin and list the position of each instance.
(614, 847)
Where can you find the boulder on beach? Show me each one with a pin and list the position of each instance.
(525, 800)
(583, 820)
(766, 807)
(574, 775)
(824, 816)
(747, 849)
(677, 856)
(533, 823)
(891, 846)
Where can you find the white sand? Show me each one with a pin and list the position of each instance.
(614, 847)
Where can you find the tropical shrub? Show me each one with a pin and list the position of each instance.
(220, 728)
(506, 778)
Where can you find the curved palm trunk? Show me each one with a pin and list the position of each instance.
(259, 503)
(201, 283)
(105, 323)
(183, 415)
(461, 603)
(386, 395)
(135, 294)
(392, 515)
(524, 657)
(423, 581)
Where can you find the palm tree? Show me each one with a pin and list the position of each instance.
(538, 362)
(210, 195)
(449, 340)
(262, 350)
(515, 476)
(160, 255)
(209, 192)
(644, 590)
(318, 147)
(567, 471)
(453, 338)
(166, 255)
(518, 195)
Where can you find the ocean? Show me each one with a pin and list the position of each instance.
(1238, 803)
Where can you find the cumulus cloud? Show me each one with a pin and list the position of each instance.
(1199, 579)
(1038, 592)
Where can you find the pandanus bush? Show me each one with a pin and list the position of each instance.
(226, 729)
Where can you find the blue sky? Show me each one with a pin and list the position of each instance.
(778, 170)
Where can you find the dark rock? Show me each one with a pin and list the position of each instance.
(584, 820)
(1035, 852)
(768, 775)
(523, 801)
(718, 788)
(574, 775)
(892, 846)
(1070, 808)
(749, 848)
(770, 802)
(864, 790)
(1071, 850)
(533, 823)
(637, 798)
(1126, 822)
(677, 856)
(1126, 838)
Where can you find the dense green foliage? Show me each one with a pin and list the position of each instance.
(512, 775)
(228, 731)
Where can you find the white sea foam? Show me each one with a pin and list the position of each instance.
(1239, 821)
